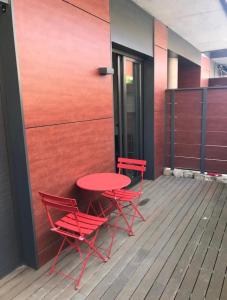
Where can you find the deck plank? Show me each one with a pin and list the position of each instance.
(184, 250)
(152, 273)
(184, 262)
(179, 252)
(157, 243)
(202, 283)
(193, 270)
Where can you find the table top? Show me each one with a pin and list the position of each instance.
(103, 182)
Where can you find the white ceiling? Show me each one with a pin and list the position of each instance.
(203, 23)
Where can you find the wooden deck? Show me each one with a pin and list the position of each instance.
(180, 252)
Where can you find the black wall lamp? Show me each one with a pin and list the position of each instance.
(106, 71)
(3, 6)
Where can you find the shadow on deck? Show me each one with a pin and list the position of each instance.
(180, 252)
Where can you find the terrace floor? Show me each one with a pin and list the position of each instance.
(180, 252)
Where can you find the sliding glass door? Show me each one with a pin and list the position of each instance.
(128, 107)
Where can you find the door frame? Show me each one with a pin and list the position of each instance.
(147, 88)
(121, 84)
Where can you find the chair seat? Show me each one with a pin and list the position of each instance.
(122, 195)
(87, 223)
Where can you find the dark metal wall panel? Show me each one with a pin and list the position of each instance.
(21, 211)
(149, 117)
(131, 26)
(9, 251)
(180, 46)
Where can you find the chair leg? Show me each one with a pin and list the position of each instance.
(57, 256)
(91, 245)
(119, 207)
(114, 231)
(135, 207)
(77, 281)
(91, 249)
(75, 246)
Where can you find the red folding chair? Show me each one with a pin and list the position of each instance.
(124, 198)
(75, 228)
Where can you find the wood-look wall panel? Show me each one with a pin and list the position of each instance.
(192, 109)
(216, 123)
(216, 109)
(218, 166)
(187, 137)
(189, 75)
(187, 163)
(58, 155)
(168, 147)
(95, 7)
(205, 70)
(216, 138)
(222, 81)
(187, 122)
(160, 78)
(192, 96)
(160, 35)
(60, 48)
(167, 161)
(68, 107)
(217, 95)
(216, 152)
(188, 114)
(160, 85)
(187, 150)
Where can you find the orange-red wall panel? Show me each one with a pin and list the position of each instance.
(160, 35)
(60, 49)
(160, 85)
(221, 81)
(67, 105)
(95, 7)
(205, 70)
(58, 155)
(189, 76)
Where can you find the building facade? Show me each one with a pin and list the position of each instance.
(62, 119)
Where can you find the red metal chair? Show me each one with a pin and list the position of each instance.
(75, 228)
(124, 198)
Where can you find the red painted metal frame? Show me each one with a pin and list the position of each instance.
(122, 199)
(76, 228)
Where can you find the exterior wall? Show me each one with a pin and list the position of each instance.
(67, 106)
(189, 74)
(10, 254)
(181, 47)
(220, 81)
(205, 70)
(160, 85)
(131, 26)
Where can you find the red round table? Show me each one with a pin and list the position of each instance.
(101, 182)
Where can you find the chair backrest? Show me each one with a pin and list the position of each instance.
(61, 204)
(132, 164)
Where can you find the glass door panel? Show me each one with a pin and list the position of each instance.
(127, 108)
